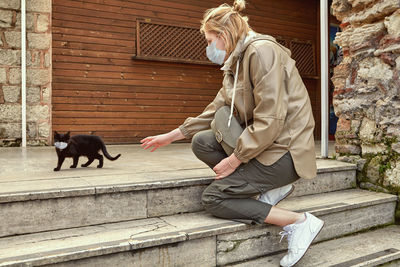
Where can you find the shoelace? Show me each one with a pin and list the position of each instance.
(285, 233)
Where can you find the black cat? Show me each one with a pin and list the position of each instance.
(80, 145)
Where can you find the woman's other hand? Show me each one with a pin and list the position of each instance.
(161, 140)
(226, 166)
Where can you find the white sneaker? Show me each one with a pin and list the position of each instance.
(300, 236)
(274, 196)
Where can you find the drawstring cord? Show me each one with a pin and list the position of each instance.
(234, 92)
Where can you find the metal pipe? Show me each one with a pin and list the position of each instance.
(23, 71)
(324, 31)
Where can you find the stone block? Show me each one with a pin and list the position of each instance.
(13, 39)
(15, 76)
(392, 24)
(340, 8)
(372, 169)
(39, 6)
(3, 76)
(29, 21)
(59, 213)
(44, 129)
(355, 37)
(367, 130)
(42, 23)
(348, 149)
(193, 253)
(252, 243)
(11, 93)
(396, 147)
(6, 18)
(38, 76)
(325, 182)
(175, 200)
(394, 131)
(10, 130)
(373, 70)
(380, 10)
(10, 113)
(10, 57)
(37, 113)
(10, 4)
(392, 175)
(373, 149)
(39, 40)
(33, 94)
(33, 59)
(343, 125)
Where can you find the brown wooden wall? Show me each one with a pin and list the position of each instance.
(99, 89)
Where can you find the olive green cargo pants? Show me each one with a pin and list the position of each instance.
(233, 196)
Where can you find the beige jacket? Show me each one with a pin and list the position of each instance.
(272, 95)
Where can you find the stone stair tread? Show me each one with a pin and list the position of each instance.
(90, 181)
(370, 248)
(62, 245)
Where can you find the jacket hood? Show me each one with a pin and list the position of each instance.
(244, 42)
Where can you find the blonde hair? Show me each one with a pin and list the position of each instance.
(226, 21)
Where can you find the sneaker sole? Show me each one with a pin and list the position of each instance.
(323, 224)
(285, 196)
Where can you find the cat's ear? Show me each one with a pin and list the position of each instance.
(68, 133)
(55, 133)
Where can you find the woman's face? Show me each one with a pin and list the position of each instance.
(211, 37)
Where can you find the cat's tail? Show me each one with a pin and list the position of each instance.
(105, 153)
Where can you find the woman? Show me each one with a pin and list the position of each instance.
(276, 147)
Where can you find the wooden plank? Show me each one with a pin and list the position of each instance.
(116, 114)
(126, 108)
(98, 88)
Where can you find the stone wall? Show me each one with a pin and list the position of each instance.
(367, 90)
(38, 72)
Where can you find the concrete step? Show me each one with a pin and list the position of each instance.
(36, 205)
(192, 239)
(372, 248)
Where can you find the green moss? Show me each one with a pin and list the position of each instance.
(383, 167)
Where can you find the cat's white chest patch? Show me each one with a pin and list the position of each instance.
(60, 145)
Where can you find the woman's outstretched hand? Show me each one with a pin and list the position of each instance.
(161, 140)
(155, 141)
(226, 166)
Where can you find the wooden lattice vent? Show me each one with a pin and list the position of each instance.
(172, 43)
(303, 51)
(164, 42)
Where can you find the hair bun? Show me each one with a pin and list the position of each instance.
(239, 5)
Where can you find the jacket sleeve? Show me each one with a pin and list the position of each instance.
(192, 125)
(271, 102)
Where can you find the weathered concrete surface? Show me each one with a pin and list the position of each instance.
(25, 170)
(371, 248)
(343, 212)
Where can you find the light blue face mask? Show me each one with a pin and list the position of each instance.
(214, 54)
(60, 145)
